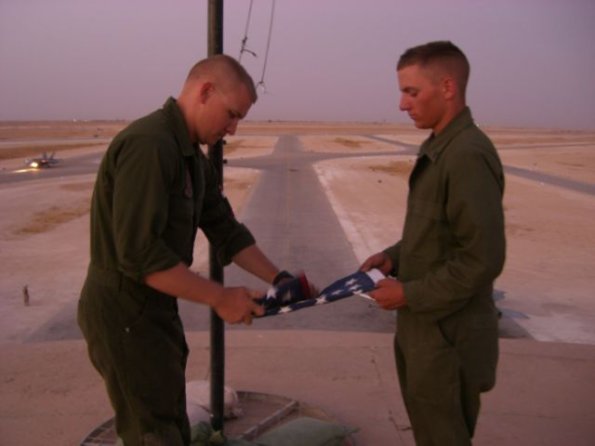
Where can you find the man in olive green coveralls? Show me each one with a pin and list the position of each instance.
(451, 251)
(154, 189)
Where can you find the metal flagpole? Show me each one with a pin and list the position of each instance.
(215, 46)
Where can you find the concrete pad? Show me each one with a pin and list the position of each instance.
(545, 394)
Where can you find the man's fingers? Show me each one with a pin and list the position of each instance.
(366, 266)
(255, 294)
(257, 310)
(374, 261)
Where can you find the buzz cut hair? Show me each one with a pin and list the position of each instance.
(442, 55)
(224, 69)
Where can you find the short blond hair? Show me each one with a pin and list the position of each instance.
(223, 68)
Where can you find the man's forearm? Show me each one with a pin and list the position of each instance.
(253, 260)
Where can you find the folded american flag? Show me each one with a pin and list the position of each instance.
(295, 294)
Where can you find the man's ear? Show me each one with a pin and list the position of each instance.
(449, 87)
(205, 91)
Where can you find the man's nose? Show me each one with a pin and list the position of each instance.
(232, 127)
(404, 104)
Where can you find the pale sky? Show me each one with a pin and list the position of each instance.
(532, 61)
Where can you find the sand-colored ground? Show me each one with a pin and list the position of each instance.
(43, 231)
(548, 277)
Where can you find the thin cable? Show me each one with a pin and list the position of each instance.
(266, 56)
(245, 39)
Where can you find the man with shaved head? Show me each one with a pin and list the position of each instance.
(155, 188)
(451, 250)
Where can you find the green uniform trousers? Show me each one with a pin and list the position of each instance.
(443, 367)
(136, 341)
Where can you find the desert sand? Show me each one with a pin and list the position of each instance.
(549, 203)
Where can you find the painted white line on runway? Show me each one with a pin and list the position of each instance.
(560, 328)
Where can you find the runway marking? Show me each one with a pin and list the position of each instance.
(559, 328)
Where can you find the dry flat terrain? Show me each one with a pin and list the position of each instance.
(548, 282)
(549, 203)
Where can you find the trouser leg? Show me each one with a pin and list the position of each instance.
(140, 351)
(431, 387)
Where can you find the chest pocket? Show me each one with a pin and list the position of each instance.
(427, 225)
(193, 190)
(425, 236)
(182, 201)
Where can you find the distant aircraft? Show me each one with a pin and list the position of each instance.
(42, 162)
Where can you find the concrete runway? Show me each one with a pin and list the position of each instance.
(295, 225)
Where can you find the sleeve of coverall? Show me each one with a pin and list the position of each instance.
(143, 174)
(476, 226)
(218, 221)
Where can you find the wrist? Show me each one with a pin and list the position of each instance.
(281, 275)
(216, 297)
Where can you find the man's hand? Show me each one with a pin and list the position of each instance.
(284, 277)
(389, 294)
(236, 305)
(380, 260)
